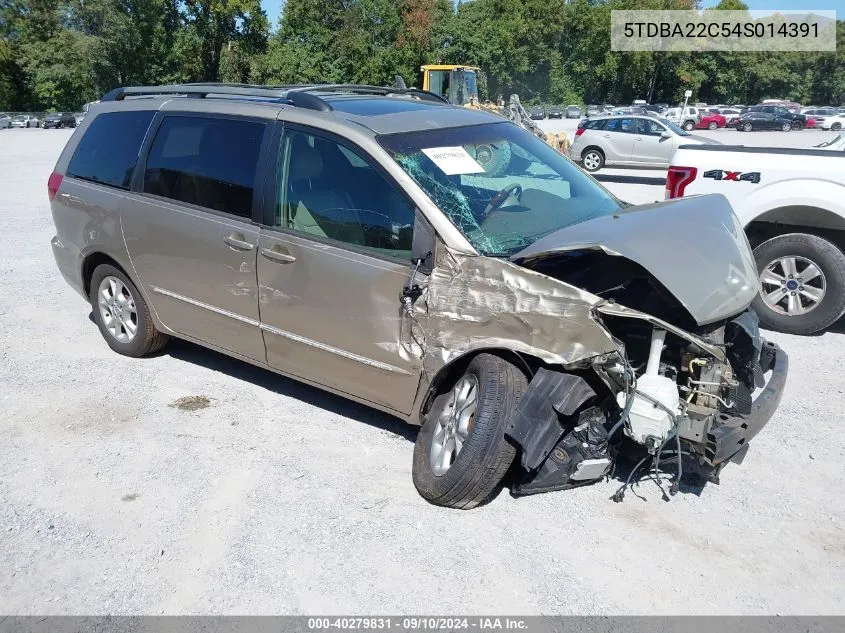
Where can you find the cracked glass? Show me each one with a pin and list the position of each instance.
(511, 189)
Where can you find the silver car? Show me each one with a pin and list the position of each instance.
(438, 263)
(629, 141)
(5, 121)
(25, 120)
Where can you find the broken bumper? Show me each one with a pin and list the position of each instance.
(729, 442)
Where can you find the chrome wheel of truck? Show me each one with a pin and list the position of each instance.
(802, 283)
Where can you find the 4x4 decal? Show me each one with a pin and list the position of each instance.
(736, 176)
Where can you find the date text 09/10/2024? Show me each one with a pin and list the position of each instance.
(420, 623)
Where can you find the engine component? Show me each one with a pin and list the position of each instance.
(655, 400)
(536, 425)
(580, 457)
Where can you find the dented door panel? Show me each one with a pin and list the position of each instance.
(333, 316)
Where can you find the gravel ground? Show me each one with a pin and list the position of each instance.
(278, 498)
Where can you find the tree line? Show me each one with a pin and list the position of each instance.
(59, 54)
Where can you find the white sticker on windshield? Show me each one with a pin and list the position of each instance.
(453, 160)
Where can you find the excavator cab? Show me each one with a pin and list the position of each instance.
(457, 84)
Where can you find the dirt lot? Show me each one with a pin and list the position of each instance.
(191, 483)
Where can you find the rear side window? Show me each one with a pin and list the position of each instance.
(205, 161)
(108, 151)
(596, 124)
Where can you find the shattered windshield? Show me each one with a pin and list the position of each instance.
(503, 187)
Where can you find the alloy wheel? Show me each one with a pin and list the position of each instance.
(454, 424)
(792, 285)
(117, 309)
(592, 161)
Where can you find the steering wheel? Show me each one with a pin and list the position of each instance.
(500, 198)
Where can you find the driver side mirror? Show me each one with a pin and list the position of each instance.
(422, 245)
(665, 134)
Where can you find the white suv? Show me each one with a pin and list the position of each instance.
(687, 119)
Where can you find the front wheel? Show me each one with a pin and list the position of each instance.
(461, 454)
(593, 160)
(802, 283)
(122, 314)
(836, 127)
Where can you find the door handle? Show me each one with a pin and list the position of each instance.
(237, 241)
(277, 256)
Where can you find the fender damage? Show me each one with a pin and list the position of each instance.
(584, 391)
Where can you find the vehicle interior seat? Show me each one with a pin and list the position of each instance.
(314, 207)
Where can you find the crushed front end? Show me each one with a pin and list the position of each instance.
(692, 402)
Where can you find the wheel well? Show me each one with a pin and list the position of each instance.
(797, 219)
(89, 265)
(589, 147)
(448, 375)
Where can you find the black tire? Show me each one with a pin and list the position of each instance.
(747, 127)
(476, 474)
(798, 125)
(828, 258)
(147, 338)
(712, 125)
(599, 156)
(836, 127)
(689, 126)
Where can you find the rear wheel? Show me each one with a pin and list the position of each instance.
(592, 159)
(122, 314)
(802, 283)
(461, 454)
(786, 127)
(689, 126)
(713, 125)
(836, 127)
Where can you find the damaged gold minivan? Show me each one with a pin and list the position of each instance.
(438, 263)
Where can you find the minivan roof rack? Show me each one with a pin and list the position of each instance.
(299, 95)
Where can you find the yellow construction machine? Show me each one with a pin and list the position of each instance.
(458, 84)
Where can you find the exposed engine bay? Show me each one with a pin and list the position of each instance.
(682, 398)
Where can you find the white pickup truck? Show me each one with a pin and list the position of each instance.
(792, 205)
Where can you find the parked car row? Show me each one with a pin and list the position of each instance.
(539, 112)
(54, 120)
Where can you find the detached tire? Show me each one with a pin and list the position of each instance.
(122, 314)
(471, 475)
(818, 281)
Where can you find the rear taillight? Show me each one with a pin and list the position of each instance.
(579, 131)
(677, 180)
(53, 184)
